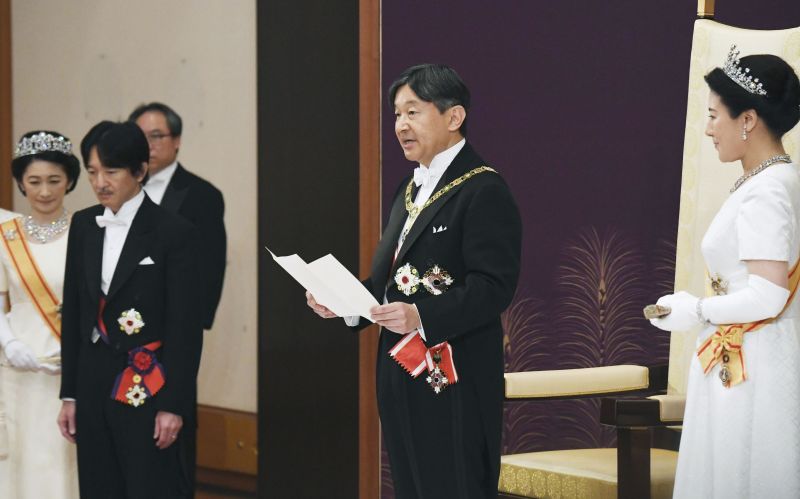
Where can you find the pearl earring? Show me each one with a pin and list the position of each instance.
(744, 132)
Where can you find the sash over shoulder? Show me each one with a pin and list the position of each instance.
(34, 283)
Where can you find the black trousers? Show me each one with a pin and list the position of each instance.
(117, 455)
(436, 443)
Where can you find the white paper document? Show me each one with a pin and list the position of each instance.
(331, 284)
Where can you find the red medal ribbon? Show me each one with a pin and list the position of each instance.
(143, 377)
(412, 354)
(101, 325)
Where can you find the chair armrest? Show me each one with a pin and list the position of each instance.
(662, 410)
(587, 382)
(670, 408)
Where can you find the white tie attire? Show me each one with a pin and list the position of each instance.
(426, 178)
(117, 226)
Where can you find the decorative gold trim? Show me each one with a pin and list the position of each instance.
(590, 392)
(705, 9)
(414, 211)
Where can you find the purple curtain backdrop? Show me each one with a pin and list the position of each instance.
(581, 106)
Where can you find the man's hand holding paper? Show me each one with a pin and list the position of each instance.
(331, 290)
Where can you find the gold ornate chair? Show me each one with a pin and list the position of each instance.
(643, 464)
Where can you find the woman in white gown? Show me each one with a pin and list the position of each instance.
(741, 433)
(39, 463)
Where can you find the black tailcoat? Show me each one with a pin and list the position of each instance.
(116, 452)
(199, 202)
(448, 445)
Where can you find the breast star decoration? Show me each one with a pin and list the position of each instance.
(407, 279)
(131, 322)
(436, 280)
(136, 395)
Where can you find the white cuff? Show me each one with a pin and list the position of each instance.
(352, 320)
(420, 328)
(68, 399)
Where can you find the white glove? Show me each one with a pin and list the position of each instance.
(20, 355)
(684, 312)
(761, 299)
(17, 352)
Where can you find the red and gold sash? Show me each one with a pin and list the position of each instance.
(728, 340)
(46, 302)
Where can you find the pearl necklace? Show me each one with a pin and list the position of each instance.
(44, 233)
(780, 158)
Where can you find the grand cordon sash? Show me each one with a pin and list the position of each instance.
(725, 344)
(45, 300)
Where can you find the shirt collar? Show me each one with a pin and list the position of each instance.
(128, 209)
(164, 176)
(439, 163)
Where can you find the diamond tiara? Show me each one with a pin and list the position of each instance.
(741, 76)
(42, 142)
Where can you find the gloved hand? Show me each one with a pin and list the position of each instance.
(20, 355)
(17, 352)
(684, 312)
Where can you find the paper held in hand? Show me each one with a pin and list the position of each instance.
(331, 284)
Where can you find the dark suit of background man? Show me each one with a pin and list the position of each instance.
(195, 199)
(129, 302)
(182, 192)
(447, 276)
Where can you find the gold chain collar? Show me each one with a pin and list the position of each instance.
(414, 210)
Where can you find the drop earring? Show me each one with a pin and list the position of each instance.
(744, 132)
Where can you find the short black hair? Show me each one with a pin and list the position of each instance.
(779, 109)
(68, 162)
(435, 83)
(119, 145)
(174, 121)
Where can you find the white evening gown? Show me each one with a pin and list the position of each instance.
(40, 463)
(744, 441)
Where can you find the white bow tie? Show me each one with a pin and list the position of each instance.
(104, 221)
(423, 176)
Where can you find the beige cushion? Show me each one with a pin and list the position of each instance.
(671, 407)
(579, 474)
(571, 382)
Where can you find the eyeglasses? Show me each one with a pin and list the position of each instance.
(157, 136)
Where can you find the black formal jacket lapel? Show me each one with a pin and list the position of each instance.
(138, 242)
(176, 190)
(384, 253)
(93, 256)
(465, 160)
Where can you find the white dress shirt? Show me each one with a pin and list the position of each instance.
(426, 178)
(116, 232)
(157, 183)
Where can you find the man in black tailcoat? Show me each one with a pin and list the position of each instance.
(131, 328)
(445, 269)
(180, 191)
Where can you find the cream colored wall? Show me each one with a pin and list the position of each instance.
(80, 61)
